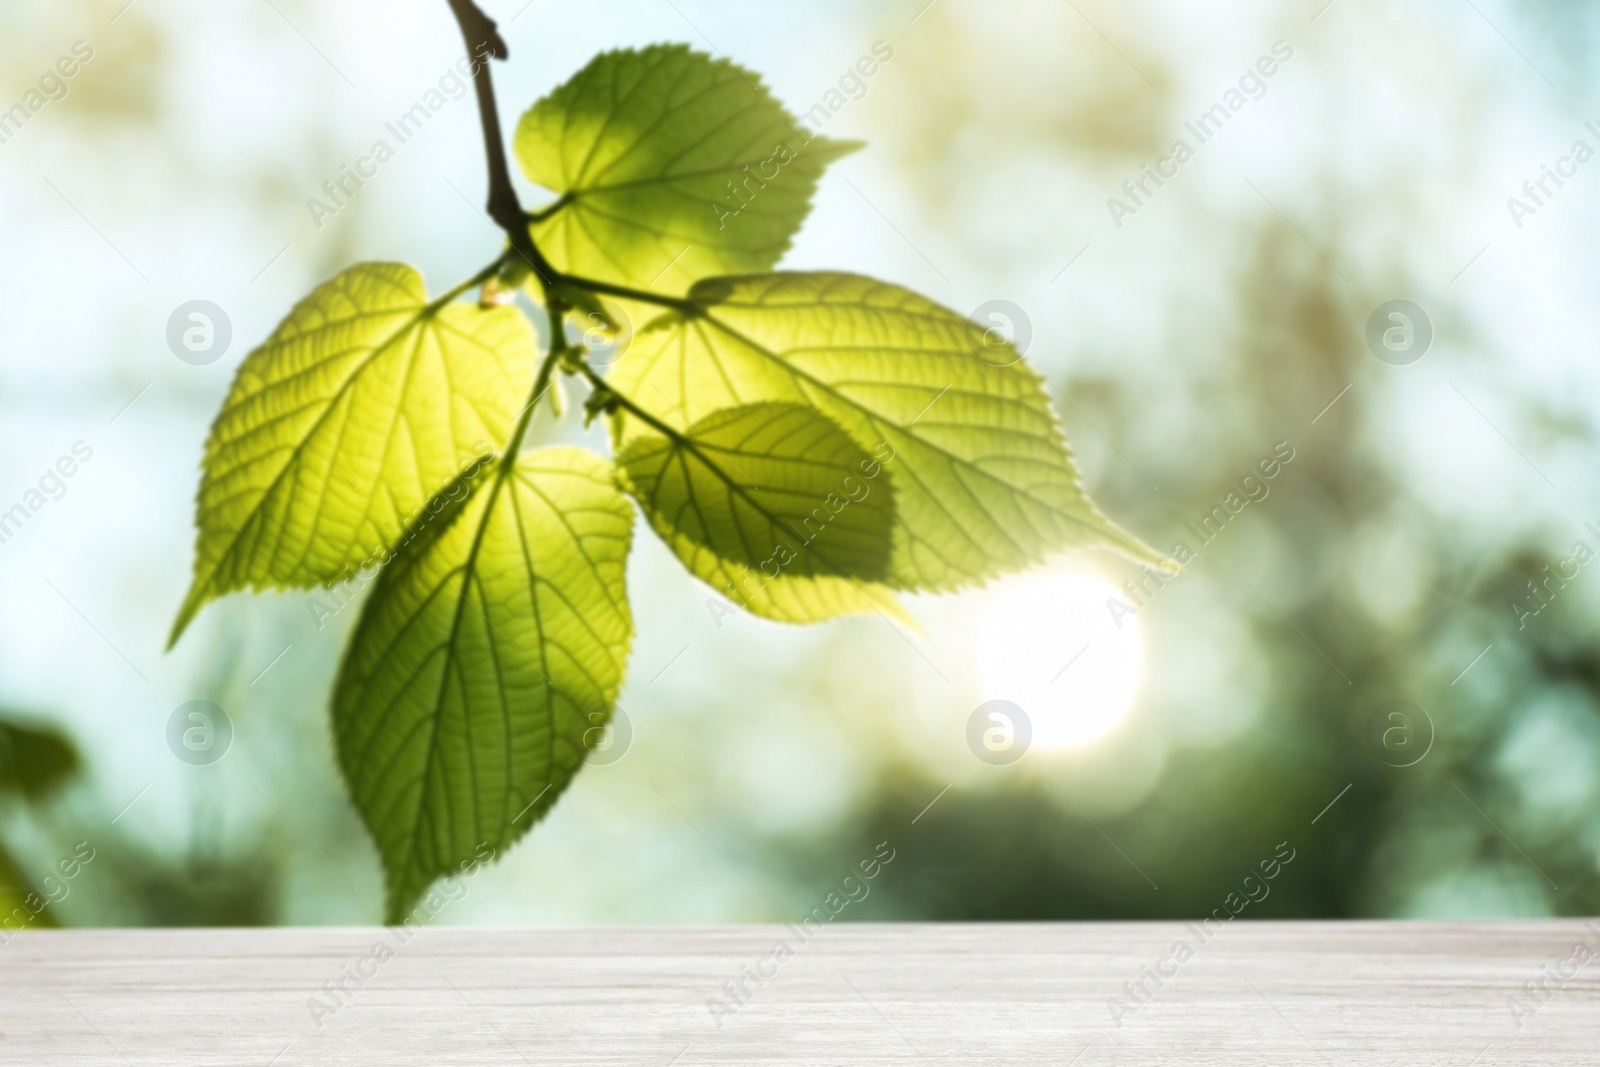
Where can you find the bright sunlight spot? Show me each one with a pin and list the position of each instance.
(1047, 643)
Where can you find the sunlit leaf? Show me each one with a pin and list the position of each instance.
(360, 407)
(485, 664)
(671, 166)
(983, 481)
(772, 504)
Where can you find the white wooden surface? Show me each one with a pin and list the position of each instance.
(1258, 993)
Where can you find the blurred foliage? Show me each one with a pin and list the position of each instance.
(1381, 567)
(194, 890)
(34, 760)
(41, 777)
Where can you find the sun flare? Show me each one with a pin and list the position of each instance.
(1047, 643)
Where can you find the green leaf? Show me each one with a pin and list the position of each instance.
(35, 760)
(671, 166)
(491, 650)
(983, 481)
(774, 506)
(365, 402)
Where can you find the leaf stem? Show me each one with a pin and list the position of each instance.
(598, 384)
(678, 303)
(558, 327)
(477, 279)
(555, 206)
(540, 384)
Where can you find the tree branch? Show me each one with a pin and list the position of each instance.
(484, 43)
(480, 30)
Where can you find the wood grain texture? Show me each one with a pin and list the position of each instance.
(1358, 994)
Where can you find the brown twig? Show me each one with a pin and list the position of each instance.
(484, 43)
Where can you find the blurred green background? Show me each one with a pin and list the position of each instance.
(1237, 709)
